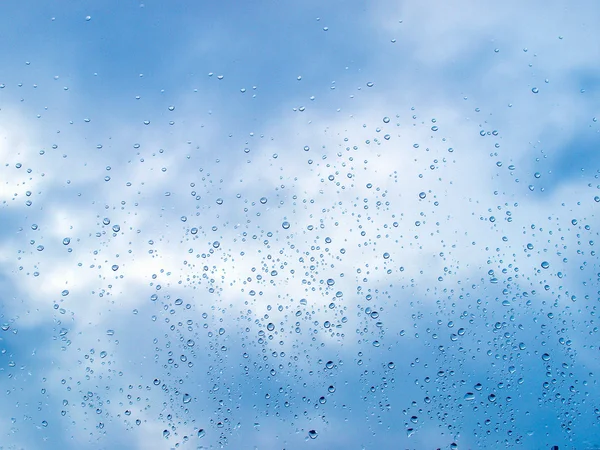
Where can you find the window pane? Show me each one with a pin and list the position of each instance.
(286, 225)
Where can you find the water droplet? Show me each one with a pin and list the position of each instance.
(535, 90)
(187, 398)
(545, 264)
(285, 225)
(312, 434)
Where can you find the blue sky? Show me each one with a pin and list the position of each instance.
(374, 220)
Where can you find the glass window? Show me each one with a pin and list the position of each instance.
(289, 225)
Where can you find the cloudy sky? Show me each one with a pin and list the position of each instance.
(278, 225)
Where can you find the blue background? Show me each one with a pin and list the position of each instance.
(416, 149)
